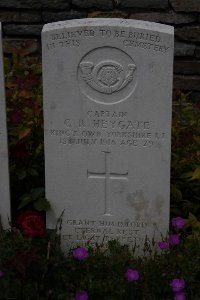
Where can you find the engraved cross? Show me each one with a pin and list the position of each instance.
(107, 175)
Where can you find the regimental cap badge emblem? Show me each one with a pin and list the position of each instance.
(107, 75)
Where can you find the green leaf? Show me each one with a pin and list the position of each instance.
(21, 174)
(42, 204)
(25, 200)
(195, 224)
(24, 133)
(176, 193)
(196, 174)
(186, 175)
(192, 221)
(33, 172)
(37, 193)
(37, 69)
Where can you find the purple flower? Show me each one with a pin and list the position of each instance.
(1, 274)
(80, 253)
(81, 295)
(177, 285)
(180, 296)
(178, 222)
(132, 275)
(174, 239)
(163, 245)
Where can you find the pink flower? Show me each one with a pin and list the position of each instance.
(31, 223)
(132, 275)
(178, 222)
(163, 245)
(177, 285)
(80, 253)
(174, 239)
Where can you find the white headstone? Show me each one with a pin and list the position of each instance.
(107, 109)
(4, 174)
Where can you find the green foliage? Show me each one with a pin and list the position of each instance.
(37, 269)
(185, 166)
(25, 127)
(194, 225)
(37, 197)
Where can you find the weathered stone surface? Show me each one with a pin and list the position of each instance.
(169, 17)
(19, 16)
(4, 174)
(197, 51)
(107, 108)
(184, 49)
(186, 5)
(186, 83)
(61, 16)
(31, 45)
(22, 30)
(37, 4)
(101, 4)
(189, 33)
(163, 4)
(187, 67)
(108, 14)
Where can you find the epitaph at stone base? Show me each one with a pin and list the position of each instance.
(107, 109)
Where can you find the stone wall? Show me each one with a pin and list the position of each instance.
(23, 21)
